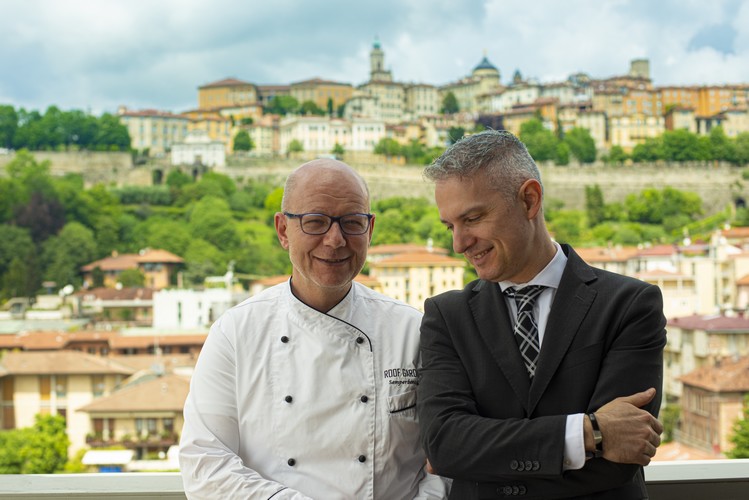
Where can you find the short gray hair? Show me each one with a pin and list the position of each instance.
(497, 152)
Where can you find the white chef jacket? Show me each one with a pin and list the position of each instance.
(287, 402)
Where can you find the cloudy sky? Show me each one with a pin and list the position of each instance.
(97, 54)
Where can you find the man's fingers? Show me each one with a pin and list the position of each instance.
(639, 399)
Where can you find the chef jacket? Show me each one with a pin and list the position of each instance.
(287, 402)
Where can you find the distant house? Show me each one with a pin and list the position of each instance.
(129, 306)
(712, 401)
(158, 266)
(199, 149)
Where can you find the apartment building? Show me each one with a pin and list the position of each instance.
(484, 79)
(227, 93)
(322, 92)
(158, 266)
(154, 130)
(320, 134)
(414, 277)
(711, 403)
(199, 149)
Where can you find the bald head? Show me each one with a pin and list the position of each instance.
(317, 174)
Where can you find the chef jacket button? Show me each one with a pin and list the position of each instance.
(291, 462)
(522, 491)
(284, 339)
(288, 399)
(364, 399)
(362, 458)
(528, 465)
(359, 340)
(536, 465)
(521, 466)
(514, 465)
(515, 490)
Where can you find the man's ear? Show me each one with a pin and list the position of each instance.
(371, 228)
(531, 195)
(281, 223)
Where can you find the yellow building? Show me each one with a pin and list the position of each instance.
(321, 92)
(484, 78)
(229, 92)
(389, 99)
(154, 130)
(414, 277)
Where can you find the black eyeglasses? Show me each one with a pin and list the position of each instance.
(317, 224)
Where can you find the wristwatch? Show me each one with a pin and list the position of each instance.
(597, 437)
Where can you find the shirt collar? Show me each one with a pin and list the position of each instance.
(550, 276)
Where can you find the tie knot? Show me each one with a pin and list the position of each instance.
(525, 297)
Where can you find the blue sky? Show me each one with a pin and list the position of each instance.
(95, 55)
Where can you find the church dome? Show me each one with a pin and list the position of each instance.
(485, 64)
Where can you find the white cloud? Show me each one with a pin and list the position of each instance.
(96, 55)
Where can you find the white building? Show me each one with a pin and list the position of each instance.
(199, 148)
(320, 134)
(182, 309)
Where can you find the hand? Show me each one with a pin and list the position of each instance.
(630, 435)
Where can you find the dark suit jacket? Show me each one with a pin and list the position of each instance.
(484, 424)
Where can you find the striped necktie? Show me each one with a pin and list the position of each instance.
(526, 328)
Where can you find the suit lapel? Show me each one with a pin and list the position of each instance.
(495, 327)
(572, 303)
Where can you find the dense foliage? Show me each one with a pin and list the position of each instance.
(57, 130)
(740, 437)
(51, 226)
(39, 449)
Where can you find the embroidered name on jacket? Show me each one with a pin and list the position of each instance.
(401, 376)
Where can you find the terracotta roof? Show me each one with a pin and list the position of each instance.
(120, 262)
(153, 113)
(403, 248)
(143, 341)
(158, 255)
(743, 281)
(735, 232)
(226, 82)
(657, 251)
(58, 363)
(679, 451)
(728, 374)
(166, 393)
(320, 81)
(716, 323)
(606, 254)
(51, 340)
(147, 361)
(367, 281)
(418, 258)
(129, 293)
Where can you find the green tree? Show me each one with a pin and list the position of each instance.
(388, 147)
(541, 142)
(331, 107)
(740, 437)
(594, 205)
(682, 145)
(295, 146)
(338, 150)
(650, 150)
(130, 278)
(211, 220)
(242, 141)
(616, 155)
(273, 200)
(64, 254)
(741, 146)
(449, 104)
(310, 108)
(581, 143)
(283, 105)
(454, 134)
(721, 146)
(8, 125)
(203, 259)
(562, 156)
(177, 179)
(39, 449)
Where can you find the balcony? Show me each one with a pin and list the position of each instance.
(678, 480)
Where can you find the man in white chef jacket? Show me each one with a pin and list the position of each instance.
(308, 389)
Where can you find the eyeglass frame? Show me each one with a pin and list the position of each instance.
(333, 219)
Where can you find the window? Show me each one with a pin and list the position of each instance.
(151, 425)
(97, 385)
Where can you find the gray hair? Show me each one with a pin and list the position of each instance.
(500, 154)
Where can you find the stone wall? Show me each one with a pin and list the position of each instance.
(717, 184)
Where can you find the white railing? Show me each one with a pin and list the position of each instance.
(677, 480)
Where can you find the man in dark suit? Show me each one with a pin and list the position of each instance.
(541, 379)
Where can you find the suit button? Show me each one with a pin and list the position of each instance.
(536, 465)
(362, 458)
(284, 339)
(528, 465)
(521, 466)
(291, 462)
(514, 465)
(364, 399)
(359, 340)
(288, 399)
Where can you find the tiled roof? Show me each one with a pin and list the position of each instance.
(712, 323)
(728, 374)
(403, 248)
(153, 113)
(158, 255)
(148, 361)
(51, 340)
(143, 341)
(129, 293)
(606, 254)
(120, 262)
(320, 81)
(419, 258)
(166, 393)
(59, 363)
(226, 82)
